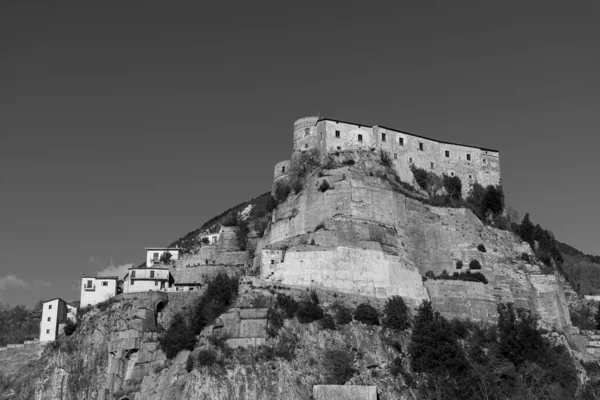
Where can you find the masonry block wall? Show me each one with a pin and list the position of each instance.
(471, 164)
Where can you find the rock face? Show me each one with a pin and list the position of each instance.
(365, 236)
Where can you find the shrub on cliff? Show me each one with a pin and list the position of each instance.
(481, 248)
(395, 314)
(287, 303)
(421, 176)
(459, 264)
(219, 295)
(324, 186)
(274, 321)
(486, 202)
(337, 365)
(453, 187)
(474, 264)
(384, 158)
(303, 163)
(366, 314)
(282, 191)
(309, 311)
(179, 336)
(343, 315)
(70, 327)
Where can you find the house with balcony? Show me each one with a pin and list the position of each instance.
(158, 255)
(145, 279)
(96, 289)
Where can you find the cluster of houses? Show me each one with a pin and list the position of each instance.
(152, 276)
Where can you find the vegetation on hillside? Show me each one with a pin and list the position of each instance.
(219, 294)
(18, 324)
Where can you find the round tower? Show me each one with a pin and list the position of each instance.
(305, 135)
(281, 169)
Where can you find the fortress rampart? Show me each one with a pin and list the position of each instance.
(471, 164)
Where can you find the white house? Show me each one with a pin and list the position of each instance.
(54, 312)
(96, 289)
(145, 279)
(211, 238)
(154, 254)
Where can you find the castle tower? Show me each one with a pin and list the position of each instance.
(305, 134)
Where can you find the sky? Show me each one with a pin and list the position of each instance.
(127, 124)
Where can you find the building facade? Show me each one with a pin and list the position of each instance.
(471, 164)
(96, 289)
(54, 313)
(147, 279)
(154, 254)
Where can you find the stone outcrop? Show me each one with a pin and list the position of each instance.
(365, 236)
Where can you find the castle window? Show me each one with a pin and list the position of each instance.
(133, 274)
(447, 153)
(468, 157)
(151, 274)
(395, 156)
(431, 165)
(383, 137)
(401, 141)
(360, 138)
(337, 134)
(104, 283)
(451, 173)
(421, 146)
(306, 131)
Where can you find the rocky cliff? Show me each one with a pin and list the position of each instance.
(366, 234)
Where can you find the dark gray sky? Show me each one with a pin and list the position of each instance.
(126, 124)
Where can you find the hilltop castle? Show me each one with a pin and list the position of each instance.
(471, 164)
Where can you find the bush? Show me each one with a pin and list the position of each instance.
(349, 162)
(189, 364)
(282, 191)
(467, 276)
(70, 327)
(286, 345)
(324, 186)
(366, 314)
(287, 303)
(384, 158)
(343, 315)
(459, 264)
(481, 248)
(421, 176)
(274, 321)
(207, 358)
(327, 322)
(303, 163)
(297, 185)
(337, 365)
(474, 264)
(583, 318)
(453, 187)
(484, 202)
(179, 336)
(309, 311)
(395, 314)
(165, 258)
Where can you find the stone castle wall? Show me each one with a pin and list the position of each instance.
(471, 164)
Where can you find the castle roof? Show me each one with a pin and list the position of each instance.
(408, 133)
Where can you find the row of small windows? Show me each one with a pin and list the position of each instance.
(401, 143)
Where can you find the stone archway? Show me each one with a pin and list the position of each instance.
(159, 307)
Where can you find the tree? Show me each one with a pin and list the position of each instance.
(453, 187)
(395, 314)
(526, 230)
(597, 318)
(366, 314)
